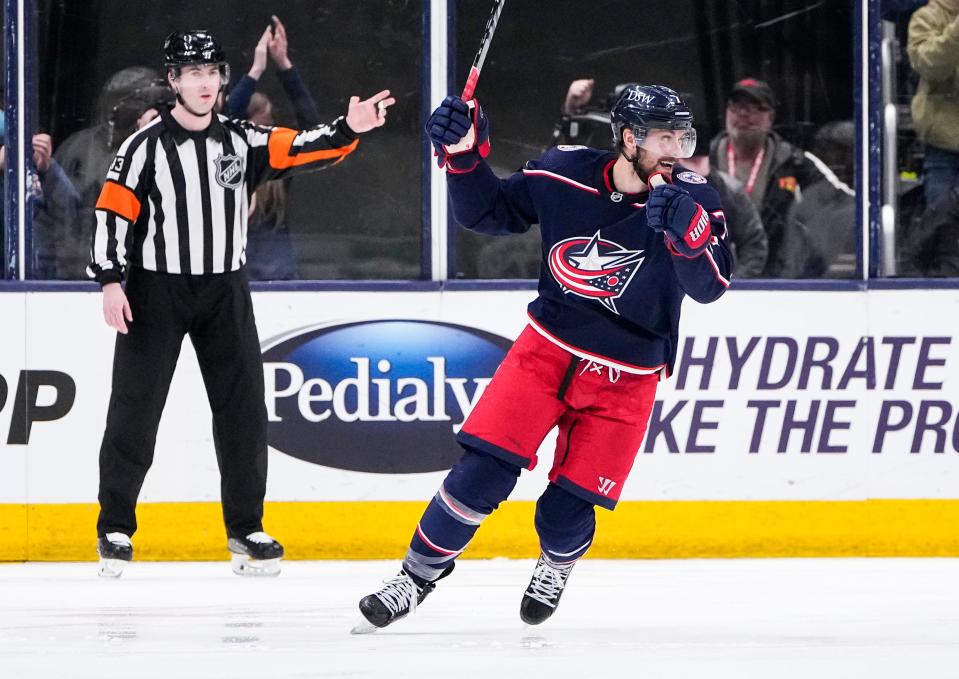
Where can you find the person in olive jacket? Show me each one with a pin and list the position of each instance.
(933, 48)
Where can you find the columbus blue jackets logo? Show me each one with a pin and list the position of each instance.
(229, 171)
(594, 268)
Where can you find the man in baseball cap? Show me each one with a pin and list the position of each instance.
(774, 173)
(756, 90)
(750, 112)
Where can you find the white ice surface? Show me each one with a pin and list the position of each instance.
(850, 618)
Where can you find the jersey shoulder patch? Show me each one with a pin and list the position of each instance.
(691, 177)
(571, 147)
(699, 188)
(577, 165)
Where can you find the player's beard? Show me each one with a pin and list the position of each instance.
(643, 168)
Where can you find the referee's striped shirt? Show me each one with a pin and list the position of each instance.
(177, 201)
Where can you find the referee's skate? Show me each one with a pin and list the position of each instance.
(115, 550)
(255, 554)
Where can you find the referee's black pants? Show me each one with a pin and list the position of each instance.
(216, 311)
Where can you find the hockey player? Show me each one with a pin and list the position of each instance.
(617, 261)
(172, 220)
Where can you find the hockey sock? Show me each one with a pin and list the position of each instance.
(565, 524)
(473, 488)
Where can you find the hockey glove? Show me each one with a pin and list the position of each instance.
(683, 221)
(459, 131)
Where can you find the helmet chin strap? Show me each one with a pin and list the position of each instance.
(186, 106)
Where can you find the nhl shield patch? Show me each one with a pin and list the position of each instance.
(229, 171)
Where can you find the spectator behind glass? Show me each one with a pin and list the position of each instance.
(933, 48)
(820, 240)
(51, 199)
(269, 248)
(582, 123)
(85, 157)
(62, 244)
(774, 173)
(141, 106)
(927, 240)
(746, 234)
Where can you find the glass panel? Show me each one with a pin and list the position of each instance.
(801, 210)
(99, 69)
(4, 226)
(921, 140)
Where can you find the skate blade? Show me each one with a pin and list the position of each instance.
(364, 626)
(111, 568)
(244, 565)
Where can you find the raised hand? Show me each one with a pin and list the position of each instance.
(459, 131)
(260, 54)
(42, 150)
(364, 115)
(578, 95)
(450, 122)
(279, 45)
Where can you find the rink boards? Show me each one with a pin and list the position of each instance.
(796, 423)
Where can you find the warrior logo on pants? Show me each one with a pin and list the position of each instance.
(594, 268)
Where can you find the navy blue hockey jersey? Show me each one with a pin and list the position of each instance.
(609, 289)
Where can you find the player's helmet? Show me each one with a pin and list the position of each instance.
(644, 107)
(186, 48)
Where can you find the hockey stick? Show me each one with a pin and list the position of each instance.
(471, 80)
(474, 75)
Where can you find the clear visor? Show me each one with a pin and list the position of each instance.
(188, 71)
(674, 143)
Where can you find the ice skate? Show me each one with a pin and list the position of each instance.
(398, 598)
(115, 549)
(542, 596)
(256, 554)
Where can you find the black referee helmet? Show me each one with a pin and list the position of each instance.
(186, 48)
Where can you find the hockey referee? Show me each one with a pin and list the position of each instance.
(172, 219)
